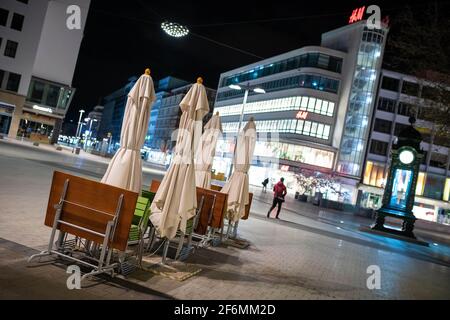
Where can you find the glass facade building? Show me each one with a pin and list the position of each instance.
(317, 99)
(297, 103)
(310, 60)
(308, 81)
(360, 104)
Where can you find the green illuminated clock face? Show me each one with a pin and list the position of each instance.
(406, 157)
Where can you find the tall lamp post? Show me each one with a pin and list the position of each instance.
(81, 111)
(86, 121)
(247, 87)
(90, 132)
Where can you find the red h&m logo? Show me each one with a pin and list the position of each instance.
(302, 115)
(357, 15)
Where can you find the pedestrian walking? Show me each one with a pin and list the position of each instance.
(279, 192)
(264, 183)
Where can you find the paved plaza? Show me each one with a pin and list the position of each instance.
(311, 253)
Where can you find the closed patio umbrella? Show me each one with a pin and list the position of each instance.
(175, 201)
(237, 186)
(206, 150)
(125, 168)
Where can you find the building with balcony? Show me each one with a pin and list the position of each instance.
(399, 97)
(316, 112)
(38, 54)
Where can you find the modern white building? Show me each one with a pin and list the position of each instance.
(38, 55)
(318, 106)
(399, 97)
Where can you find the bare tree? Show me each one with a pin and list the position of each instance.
(419, 44)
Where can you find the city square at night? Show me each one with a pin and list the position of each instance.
(243, 153)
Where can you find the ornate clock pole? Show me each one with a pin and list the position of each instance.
(398, 198)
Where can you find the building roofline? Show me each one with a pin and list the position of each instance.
(284, 55)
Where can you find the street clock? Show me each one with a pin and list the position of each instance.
(406, 156)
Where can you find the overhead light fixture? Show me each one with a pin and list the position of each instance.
(174, 29)
(259, 90)
(234, 87)
(36, 107)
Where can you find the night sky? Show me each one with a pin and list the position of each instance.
(122, 38)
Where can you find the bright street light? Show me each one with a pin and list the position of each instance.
(174, 29)
(234, 87)
(259, 90)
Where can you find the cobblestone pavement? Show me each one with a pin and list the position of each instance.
(311, 255)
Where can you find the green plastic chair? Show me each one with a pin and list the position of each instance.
(140, 219)
(138, 228)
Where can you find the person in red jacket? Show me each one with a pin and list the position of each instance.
(279, 191)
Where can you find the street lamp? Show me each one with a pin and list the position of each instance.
(90, 131)
(86, 121)
(81, 111)
(247, 88)
(79, 121)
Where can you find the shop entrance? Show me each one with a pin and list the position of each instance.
(5, 122)
(35, 131)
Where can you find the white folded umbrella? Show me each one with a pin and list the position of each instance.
(237, 186)
(206, 150)
(176, 200)
(125, 168)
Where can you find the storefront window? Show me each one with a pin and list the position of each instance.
(446, 190)
(51, 95)
(5, 122)
(371, 200)
(420, 183)
(424, 212)
(434, 187)
(34, 130)
(374, 175)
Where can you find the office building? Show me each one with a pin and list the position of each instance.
(113, 111)
(164, 115)
(399, 97)
(38, 54)
(318, 102)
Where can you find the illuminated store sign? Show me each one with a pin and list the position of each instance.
(36, 107)
(302, 115)
(357, 15)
